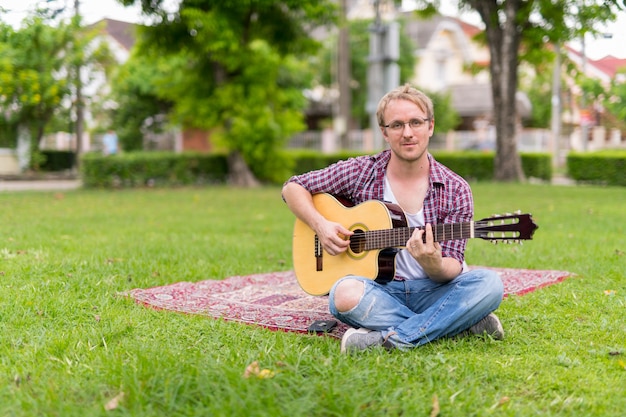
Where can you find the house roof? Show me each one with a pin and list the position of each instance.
(122, 32)
(604, 68)
(610, 64)
(474, 100)
(421, 31)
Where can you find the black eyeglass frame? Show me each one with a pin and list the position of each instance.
(422, 122)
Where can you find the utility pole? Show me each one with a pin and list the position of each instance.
(342, 122)
(375, 76)
(383, 72)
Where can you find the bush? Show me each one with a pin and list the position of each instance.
(605, 167)
(305, 160)
(480, 165)
(471, 165)
(137, 169)
(57, 160)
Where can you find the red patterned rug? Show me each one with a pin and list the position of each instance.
(276, 301)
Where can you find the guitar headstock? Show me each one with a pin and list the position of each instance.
(506, 228)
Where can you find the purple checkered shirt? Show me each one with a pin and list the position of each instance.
(448, 200)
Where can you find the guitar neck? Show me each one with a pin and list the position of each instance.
(393, 238)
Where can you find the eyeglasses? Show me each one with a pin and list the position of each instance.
(398, 126)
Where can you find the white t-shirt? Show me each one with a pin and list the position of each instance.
(407, 267)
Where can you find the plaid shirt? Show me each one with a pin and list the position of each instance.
(448, 200)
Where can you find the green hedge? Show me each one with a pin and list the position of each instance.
(137, 169)
(480, 165)
(604, 167)
(469, 165)
(57, 160)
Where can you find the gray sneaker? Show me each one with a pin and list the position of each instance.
(490, 325)
(360, 339)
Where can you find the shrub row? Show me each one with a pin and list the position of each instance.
(604, 167)
(469, 165)
(139, 169)
(53, 161)
(480, 165)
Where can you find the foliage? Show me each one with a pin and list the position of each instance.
(139, 109)
(446, 117)
(32, 86)
(72, 344)
(152, 169)
(538, 86)
(615, 100)
(37, 70)
(605, 167)
(164, 169)
(235, 68)
(479, 165)
(517, 30)
(470, 165)
(57, 160)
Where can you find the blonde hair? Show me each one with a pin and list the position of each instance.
(409, 93)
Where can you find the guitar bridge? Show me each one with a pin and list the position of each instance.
(319, 253)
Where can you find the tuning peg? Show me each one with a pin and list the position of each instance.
(518, 211)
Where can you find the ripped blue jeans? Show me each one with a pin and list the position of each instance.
(412, 313)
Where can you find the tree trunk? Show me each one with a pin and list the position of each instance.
(239, 174)
(504, 39)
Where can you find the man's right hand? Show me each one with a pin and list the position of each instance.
(335, 238)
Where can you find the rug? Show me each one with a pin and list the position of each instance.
(276, 301)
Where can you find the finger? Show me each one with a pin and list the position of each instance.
(429, 235)
(345, 232)
(416, 239)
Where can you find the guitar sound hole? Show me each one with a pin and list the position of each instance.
(357, 241)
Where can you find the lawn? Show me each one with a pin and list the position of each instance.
(71, 346)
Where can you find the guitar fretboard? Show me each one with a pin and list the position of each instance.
(388, 238)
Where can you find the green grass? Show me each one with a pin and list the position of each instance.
(69, 344)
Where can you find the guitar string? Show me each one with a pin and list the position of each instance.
(376, 239)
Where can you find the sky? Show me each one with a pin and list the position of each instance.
(94, 10)
(91, 10)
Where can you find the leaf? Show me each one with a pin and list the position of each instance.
(114, 402)
(434, 412)
(254, 370)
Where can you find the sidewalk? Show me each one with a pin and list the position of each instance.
(39, 185)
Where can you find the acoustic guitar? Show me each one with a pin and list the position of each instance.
(379, 229)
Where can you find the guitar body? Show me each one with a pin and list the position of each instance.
(378, 229)
(316, 270)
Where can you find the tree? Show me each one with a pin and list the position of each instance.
(36, 66)
(33, 87)
(518, 30)
(615, 101)
(138, 106)
(236, 72)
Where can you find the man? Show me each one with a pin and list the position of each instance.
(433, 294)
(109, 143)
